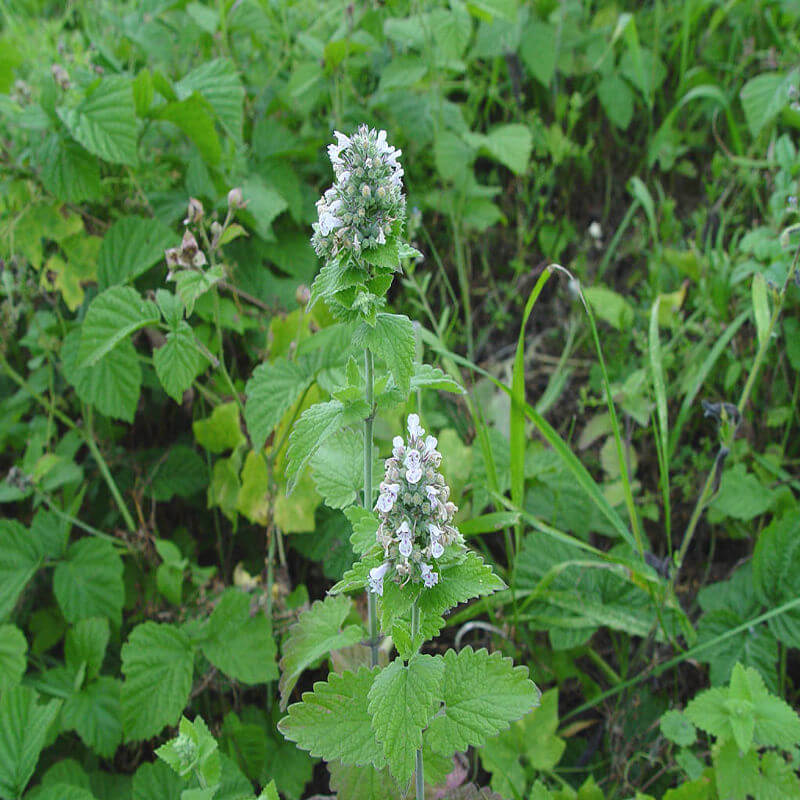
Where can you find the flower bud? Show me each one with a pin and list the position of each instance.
(302, 295)
(194, 213)
(235, 198)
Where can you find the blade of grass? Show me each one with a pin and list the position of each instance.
(661, 421)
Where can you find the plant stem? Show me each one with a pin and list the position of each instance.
(372, 604)
(419, 771)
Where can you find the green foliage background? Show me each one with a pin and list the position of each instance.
(151, 560)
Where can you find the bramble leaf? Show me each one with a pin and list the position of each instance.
(157, 661)
(219, 431)
(130, 247)
(317, 632)
(95, 713)
(402, 702)
(333, 721)
(19, 560)
(482, 695)
(178, 361)
(85, 645)
(13, 660)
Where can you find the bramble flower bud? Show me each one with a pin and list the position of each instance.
(415, 514)
(60, 76)
(302, 295)
(194, 212)
(235, 198)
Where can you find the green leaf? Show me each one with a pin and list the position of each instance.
(63, 791)
(192, 284)
(88, 583)
(157, 661)
(760, 306)
(95, 713)
(402, 702)
(365, 525)
(741, 495)
(130, 247)
(24, 725)
(776, 574)
(104, 122)
(386, 256)
(68, 171)
(778, 778)
(460, 582)
(219, 83)
(452, 156)
(112, 317)
(537, 48)
(609, 306)
(511, 145)
(182, 473)
(427, 377)
(193, 749)
(392, 339)
(736, 773)
(677, 728)
(362, 783)
(616, 97)
(238, 644)
(482, 695)
(356, 577)
(221, 430)
(156, 782)
(338, 469)
(271, 391)
(19, 560)
(195, 117)
(264, 204)
(13, 659)
(763, 98)
(315, 425)
(85, 646)
(333, 721)
(318, 631)
(112, 385)
(178, 362)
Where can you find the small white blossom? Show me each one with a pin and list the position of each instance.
(414, 474)
(376, 575)
(429, 577)
(414, 429)
(385, 502)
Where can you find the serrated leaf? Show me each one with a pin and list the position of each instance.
(264, 204)
(482, 695)
(392, 339)
(386, 256)
(13, 656)
(333, 721)
(219, 83)
(113, 315)
(111, 385)
(427, 377)
(182, 473)
(195, 117)
(511, 145)
(24, 725)
(178, 361)
(104, 122)
(365, 525)
(537, 48)
(88, 583)
(362, 783)
(68, 171)
(238, 643)
(95, 714)
(206, 756)
(64, 791)
(616, 97)
(221, 430)
(318, 631)
(157, 661)
(763, 97)
(338, 468)
(356, 577)
(19, 560)
(271, 391)
(677, 728)
(315, 425)
(402, 702)
(460, 582)
(85, 646)
(130, 247)
(192, 284)
(156, 782)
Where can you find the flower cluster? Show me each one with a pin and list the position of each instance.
(366, 203)
(415, 512)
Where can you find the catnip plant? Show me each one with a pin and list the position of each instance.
(381, 725)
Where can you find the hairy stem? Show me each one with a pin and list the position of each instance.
(419, 772)
(372, 605)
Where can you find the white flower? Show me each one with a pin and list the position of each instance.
(414, 474)
(429, 578)
(432, 492)
(414, 429)
(405, 546)
(398, 447)
(328, 222)
(430, 444)
(413, 459)
(437, 551)
(385, 502)
(595, 230)
(376, 575)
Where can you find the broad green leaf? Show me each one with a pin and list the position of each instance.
(192, 284)
(95, 714)
(763, 97)
(511, 145)
(365, 525)
(452, 156)
(156, 781)
(64, 791)
(616, 97)
(609, 306)
(178, 361)
(219, 83)
(68, 171)
(195, 117)
(204, 753)
(678, 729)
(315, 425)
(111, 385)
(736, 773)
(88, 582)
(482, 695)
(318, 631)
(182, 473)
(253, 499)
(112, 317)
(392, 339)
(362, 783)
(271, 391)
(104, 122)
(221, 430)
(356, 577)
(537, 48)
(338, 468)
(386, 256)
(779, 779)
(427, 377)
(19, 560)
(402, 702)
(333, 721)
(264, 203)
(24, 726)
(13, 656)
(760, 307)
(240, 644)
(157, 661)
(130, 247)
(85, 646)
